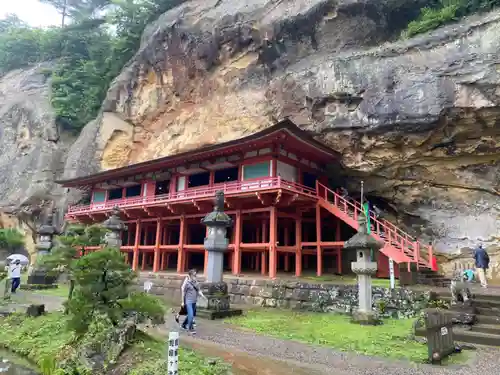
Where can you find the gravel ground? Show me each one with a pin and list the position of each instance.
(319, 359)
(333, 362)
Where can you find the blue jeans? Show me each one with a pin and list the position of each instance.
(191, 313)
(16, 281)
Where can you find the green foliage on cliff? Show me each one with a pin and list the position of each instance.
(88, 52)
(442, 12)
(11, 240)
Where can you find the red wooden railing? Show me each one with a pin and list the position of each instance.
(398, 242)
(196, 193)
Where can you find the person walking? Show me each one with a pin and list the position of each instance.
(190, 291)
(15, 275)
(482, 263)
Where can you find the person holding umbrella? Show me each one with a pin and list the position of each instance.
(15, 270)
(15, 274)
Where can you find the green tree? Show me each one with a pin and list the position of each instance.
(11, 240)
(63, 258)
(11, 21)
(77, 9)
(103, 292)
(88, 53)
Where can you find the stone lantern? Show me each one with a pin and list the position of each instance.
(216, 243)
(115, 227)
(364, 244)
(44, 243)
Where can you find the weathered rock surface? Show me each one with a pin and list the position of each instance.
(32, 148)
(417, 120)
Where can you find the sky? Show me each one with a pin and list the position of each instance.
(31, 11)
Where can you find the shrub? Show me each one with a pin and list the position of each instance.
(146, 306)
(444, 12)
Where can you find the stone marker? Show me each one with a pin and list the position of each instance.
(173, 353)
(216, 243)
(44, 243)
(115, 225)
(363, 244)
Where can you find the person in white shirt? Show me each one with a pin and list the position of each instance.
(15, 275)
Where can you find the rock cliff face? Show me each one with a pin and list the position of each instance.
(32, 149)
(418, 120)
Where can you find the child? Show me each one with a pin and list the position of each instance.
(469, 275)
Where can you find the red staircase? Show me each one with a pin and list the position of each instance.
(399, 245)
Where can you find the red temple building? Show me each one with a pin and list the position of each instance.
(285, 217)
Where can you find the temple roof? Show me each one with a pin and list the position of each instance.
(304, 140)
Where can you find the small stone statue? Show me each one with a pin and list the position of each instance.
(219, 201)
(460, 292)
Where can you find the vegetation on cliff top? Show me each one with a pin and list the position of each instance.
(103, 35)
(88, 52)
(442, 12)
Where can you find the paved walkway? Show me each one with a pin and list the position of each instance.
(304, 359)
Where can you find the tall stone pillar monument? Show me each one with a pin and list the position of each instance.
(216, 244)
(115, 226)
(364, 244)
(44, 243)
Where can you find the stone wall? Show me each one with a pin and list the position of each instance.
(300, 296)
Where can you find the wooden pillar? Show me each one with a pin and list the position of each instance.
(319, 263)
(236, 268)
(156, 259)
(129, 236)
(164, 236)
(298, 245)
(180, 252)
(273, 229)
(339, 249)
(211, 178)
(169, 236)
(264, 231)
(263, 254)
(286, 242)
(135, 259)
(162, 260)
(144, 259)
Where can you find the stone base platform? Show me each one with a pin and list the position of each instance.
(221, 314)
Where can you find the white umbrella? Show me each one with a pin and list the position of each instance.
(18, 257)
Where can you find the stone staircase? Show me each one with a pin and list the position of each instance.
(485, 329)
(432, 278)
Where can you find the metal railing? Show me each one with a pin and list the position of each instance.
(388, 232)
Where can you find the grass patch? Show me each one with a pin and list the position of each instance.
(62, 291)
(390, 340)
(37, 339)
(151, 351)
